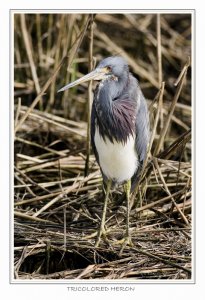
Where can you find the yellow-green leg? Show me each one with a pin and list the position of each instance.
(102, 224)
(127, 239)
(127, 188)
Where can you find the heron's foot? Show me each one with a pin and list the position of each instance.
(126, 241)
(101, 233)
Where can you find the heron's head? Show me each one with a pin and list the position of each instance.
(114, 65)
(111, 67)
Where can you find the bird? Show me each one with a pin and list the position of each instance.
(119, 130)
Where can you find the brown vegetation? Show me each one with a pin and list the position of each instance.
(56, 208)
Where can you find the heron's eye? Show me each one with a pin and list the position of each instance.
(109, 69)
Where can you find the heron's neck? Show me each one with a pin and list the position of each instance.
(114, 110)
(109, 90)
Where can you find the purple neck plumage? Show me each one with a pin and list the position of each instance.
(115, 109)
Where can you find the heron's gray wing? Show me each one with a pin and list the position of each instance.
(142, 137)
(142, 129)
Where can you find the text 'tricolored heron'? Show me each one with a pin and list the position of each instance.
(119, 128)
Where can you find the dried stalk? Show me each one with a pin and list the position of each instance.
(29, 52)
(90, 96)
(172, 107)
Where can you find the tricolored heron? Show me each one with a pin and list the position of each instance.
(119, 128)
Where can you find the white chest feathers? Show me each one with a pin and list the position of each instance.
(118, 161)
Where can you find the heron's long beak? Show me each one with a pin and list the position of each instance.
(97, 74)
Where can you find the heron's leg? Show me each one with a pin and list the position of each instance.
(102, 224)
(127, 239)
(127, 188)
